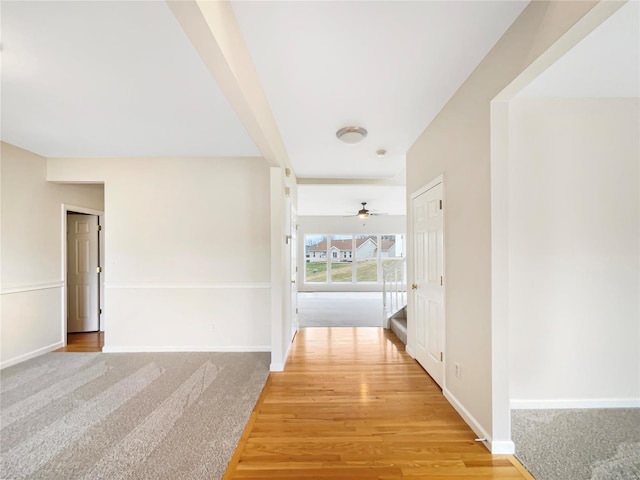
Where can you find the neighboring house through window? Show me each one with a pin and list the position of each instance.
(354, 258)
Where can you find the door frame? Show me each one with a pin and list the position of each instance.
(101, 259)
(411, 320)
(293, 270)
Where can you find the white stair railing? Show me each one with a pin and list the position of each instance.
(394, 288)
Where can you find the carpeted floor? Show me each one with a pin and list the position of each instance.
(590, 444)
(340, 309)
(126, 415)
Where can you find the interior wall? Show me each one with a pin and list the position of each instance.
(574, 262)
(188, 251)
(289, 300)
(283, 291)
(31, 253)
(457, 145)
(334, 225)
(278, 288)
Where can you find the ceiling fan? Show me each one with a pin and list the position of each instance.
(364, 212)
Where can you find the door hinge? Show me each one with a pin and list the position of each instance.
(99, 227)
(441, 356)
(99, 269)
(440, 204)
(296, 310)
(99, 311)
(441, 281)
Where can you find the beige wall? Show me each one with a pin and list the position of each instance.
(31, 249)
(187, 251)
(457, 145)
(574, 261)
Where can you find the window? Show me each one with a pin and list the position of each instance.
(340, 267)
(366, 258)
(372, 252)
(316, 255)
(391, 248)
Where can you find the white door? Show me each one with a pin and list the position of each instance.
(82, 273)
(293, 245)
(427, 287)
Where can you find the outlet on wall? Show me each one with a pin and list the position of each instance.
(458, 370)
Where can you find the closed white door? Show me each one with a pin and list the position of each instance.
(82, 273)
(427, 287)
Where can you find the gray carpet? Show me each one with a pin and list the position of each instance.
(126, 415)
(593, 444)
(340, 309)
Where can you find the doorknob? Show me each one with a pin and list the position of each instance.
(293, 281)
(414, 286)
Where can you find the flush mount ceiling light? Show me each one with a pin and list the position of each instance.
(351, 134)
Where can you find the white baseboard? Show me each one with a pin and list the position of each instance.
(466, 416)
(409, 351)
(187, 348)
(279, 366)
(276, 367)
(197, 286)
(502, 447)
(516, 404)
(495, 447)
(27, 356)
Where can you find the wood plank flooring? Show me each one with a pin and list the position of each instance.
(352, 404)
(83, 342)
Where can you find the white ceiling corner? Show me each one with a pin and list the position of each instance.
(108, 79)
(606, 63)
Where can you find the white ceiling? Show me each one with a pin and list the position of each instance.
(346, 199)
(122, 79)
(106, 79)
(386, 66)
(606, 63)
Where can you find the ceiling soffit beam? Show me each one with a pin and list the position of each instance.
(352, 181)
(212, 28)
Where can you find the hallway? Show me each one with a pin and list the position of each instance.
(340, 309)
(352, 404)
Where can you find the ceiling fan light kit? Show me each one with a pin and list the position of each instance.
(363, 213)
(351, 135)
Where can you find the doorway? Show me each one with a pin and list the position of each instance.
(84, 298)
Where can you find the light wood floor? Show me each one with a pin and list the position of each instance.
(352, 404)
(83, 342)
